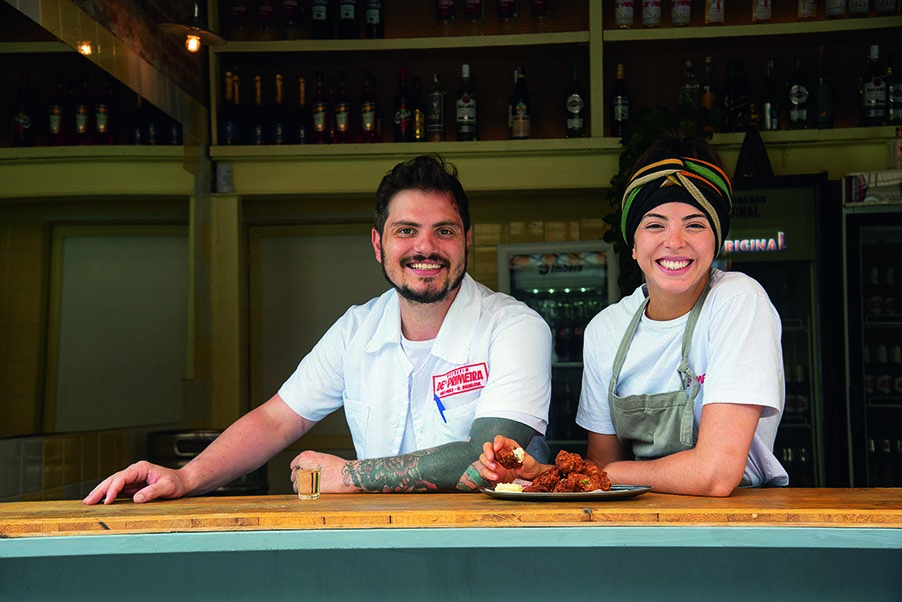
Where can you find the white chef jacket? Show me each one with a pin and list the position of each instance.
(491, 358)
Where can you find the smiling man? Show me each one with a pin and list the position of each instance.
(426, 373)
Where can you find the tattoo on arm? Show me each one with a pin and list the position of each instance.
(449, 467)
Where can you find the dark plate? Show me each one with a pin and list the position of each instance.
(617, 492)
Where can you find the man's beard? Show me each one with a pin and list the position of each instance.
(427, 296)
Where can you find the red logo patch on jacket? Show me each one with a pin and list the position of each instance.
(460, 380)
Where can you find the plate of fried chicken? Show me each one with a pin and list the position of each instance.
(571, 478)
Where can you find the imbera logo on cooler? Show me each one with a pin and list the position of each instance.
(460, 380)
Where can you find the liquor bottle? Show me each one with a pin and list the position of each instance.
(474, 10)
(341, 111)
(435, 111)
(620, 106)
(859, 8)
(23, 125)
(887, 474)
(823, 95)
(873, 463)
(321, 113)
(367, 110)
(541, 16)
(573, 97)
(835, 9)
(466, 108)
(884, 8)
(897, 149)
(806, 475)
(889, 293)
(239, 17)
(680, 13)
(229, 122)
(714, 12)
(520, 108)
(445, 17)
(708, 98)
(873, 91)
(374, 20)
(651, 13)
(418, 110)
(761, 11)
(894, 90)
(104, 119)
(736, 98)
(330, 96)
(802, 389)
(348, 22)
(266, 20)
(320, 20)
(258, 125)
(798, 98)
(882, 379)
(151, 129)
(302, 124)
(279, 124)
(807, 9)
(868, 372)
(402, 110)
(510, 112)
(873, 300)
(507, 16)
(84, 109)
(770, 100)
(173, 133)
(294, 16)
(623, 14)
(59, 114)
(690, 90)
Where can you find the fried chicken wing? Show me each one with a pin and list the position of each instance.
(510, 458)
(546, 481)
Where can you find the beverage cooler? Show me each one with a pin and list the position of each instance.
(777, 236)
(567, 283)
(872, 244)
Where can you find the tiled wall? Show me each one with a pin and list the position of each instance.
(64, 467)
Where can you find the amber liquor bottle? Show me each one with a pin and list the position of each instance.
(321, 113)
(104, 116)
(302, 124)
(341, 111)
(23, 125)
(279, 124)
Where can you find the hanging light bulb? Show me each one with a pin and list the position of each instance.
(195, 31)
(192, 43)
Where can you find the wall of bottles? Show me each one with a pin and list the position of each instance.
(819, 80)
(882, 359)
(63, 99)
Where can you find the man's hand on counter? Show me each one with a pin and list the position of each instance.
(331, 478)
(143, 481)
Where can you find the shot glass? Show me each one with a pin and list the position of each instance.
(307, 478)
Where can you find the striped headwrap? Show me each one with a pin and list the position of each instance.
(683, 180)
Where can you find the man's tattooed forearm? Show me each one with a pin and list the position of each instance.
(397, 474)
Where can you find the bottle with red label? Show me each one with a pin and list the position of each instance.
(403, 110)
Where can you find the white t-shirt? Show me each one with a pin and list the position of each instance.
(735, 353)
(491, 358)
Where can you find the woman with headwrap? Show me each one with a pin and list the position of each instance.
(683, 379)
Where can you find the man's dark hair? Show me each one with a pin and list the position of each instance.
(427, 173)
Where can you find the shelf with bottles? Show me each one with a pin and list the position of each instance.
(832, 61)
(445, 22)
(884, 460)
(548, 73)
(68, 101)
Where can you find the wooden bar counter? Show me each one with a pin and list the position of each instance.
(759, 544)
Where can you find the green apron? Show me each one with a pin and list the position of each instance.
(658, 424)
